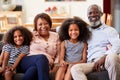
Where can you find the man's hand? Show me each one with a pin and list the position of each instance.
(99, 64)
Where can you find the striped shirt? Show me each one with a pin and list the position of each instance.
(14, 51)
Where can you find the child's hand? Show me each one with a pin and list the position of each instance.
(63, 63)
(108, 46)
(9, 68)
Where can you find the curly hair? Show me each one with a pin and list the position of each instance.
(8, 37)
(85, 34)
(42, 16)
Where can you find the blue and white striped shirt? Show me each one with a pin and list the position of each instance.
(14, 51)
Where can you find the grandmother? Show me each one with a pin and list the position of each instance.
(44, 50)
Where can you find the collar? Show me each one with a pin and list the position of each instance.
(99, 28)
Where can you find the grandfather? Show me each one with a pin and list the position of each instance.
(103, 48)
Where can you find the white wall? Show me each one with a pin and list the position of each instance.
(76, 8)
(116, 15)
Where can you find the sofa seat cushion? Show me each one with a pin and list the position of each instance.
(102, 75)
(18, 76)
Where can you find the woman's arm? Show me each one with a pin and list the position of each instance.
(57, 57)
(62, 54)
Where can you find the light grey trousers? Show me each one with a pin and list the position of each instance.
(112, 65)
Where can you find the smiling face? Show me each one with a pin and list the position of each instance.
(94, 15)
(73, 31)
(43, 27)
(18, 38)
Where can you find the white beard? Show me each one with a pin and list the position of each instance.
(94, 24)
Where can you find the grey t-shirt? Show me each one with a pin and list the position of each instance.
(73, 51)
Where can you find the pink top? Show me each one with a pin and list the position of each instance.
(50, 48)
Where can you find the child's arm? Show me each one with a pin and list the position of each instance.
(62, 54)
(18, 60)
(5, 60)
(84, 54)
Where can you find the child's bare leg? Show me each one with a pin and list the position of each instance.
(8, 75)
(60, 73)
(68, 74)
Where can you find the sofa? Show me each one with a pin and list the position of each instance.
(103, 75)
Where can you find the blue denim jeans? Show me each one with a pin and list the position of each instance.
(35, 67)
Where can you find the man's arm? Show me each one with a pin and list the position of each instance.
(113, 38)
